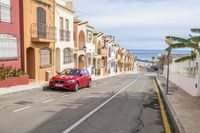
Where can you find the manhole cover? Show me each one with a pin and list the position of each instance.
(24, 102)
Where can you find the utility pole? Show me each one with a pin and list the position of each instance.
(168, 61)
(169, 41)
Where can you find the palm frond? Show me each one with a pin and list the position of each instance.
(178, 39)
(195, 39)
(195, 30)
(186, 45)
(185, 58)
(168, 48)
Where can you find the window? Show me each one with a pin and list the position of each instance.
(67, 32)
(41, 22)
(61, 23)
(109, 50)
(68, 56)
(45, 57)
(8, 47)
(89, 61)
(5, 11)
(66, 24)
(89, 36)
(61, 29)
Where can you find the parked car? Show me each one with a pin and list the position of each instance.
(71, 79)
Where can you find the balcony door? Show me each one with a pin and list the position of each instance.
(41, 22)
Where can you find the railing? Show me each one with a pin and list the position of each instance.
(99, 51)
(43, 31)
(64, 35)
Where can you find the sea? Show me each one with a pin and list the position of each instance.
(148, 54)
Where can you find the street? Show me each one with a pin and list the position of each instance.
(120, 104)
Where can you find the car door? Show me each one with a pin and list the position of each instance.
(86, 77)
(82, 79)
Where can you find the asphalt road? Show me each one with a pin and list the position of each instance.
(121, 104)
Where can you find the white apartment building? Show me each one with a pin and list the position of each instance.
(112, 55)
(64, 19)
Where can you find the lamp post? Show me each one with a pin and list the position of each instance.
(169, 41)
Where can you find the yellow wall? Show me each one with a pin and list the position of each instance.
(30, 17)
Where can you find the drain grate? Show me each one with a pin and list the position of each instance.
(24, 102)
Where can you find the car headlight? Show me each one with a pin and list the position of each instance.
(70, 81)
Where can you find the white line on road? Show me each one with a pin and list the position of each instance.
(21, 109)
(46, 101)
(95, 110)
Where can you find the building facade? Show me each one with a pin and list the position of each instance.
(64, 22)
(90, 48)
(39, 38)
(80, 60)
(10, 33)
(112, 55)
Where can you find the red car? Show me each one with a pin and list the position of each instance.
(71, 79)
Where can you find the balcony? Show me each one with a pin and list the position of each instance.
(64, 35)
(42, 33)
(98, 51)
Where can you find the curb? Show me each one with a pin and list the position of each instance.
(178, 127)
(43, 87)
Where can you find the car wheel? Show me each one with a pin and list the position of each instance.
(76, 87)
(89, 84)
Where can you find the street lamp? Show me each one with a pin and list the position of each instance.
(169, 41)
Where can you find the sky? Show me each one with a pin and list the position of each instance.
(141, 24)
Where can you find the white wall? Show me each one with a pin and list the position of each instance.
(66, 14)
(185, 82)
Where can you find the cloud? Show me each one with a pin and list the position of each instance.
(139, 22)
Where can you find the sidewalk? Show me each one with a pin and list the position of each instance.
(184, 108)
(42, 85)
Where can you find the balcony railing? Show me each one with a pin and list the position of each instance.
(41, 31)
(99, 51)
(64, 35)
(5, 12)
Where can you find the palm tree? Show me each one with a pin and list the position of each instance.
(192, 42)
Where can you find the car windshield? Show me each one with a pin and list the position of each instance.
(70, 72)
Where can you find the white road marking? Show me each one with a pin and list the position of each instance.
(96, 109)
(21, 109)
(46, 101)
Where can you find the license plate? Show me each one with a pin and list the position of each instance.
(59, 85)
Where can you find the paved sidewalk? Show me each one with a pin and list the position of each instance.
(184, 108)
(43, 85)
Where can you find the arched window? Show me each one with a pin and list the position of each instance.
(68, 56)
(45, 57)
(8, 47)
(41, 22)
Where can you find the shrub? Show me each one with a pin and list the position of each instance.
(8, 72)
